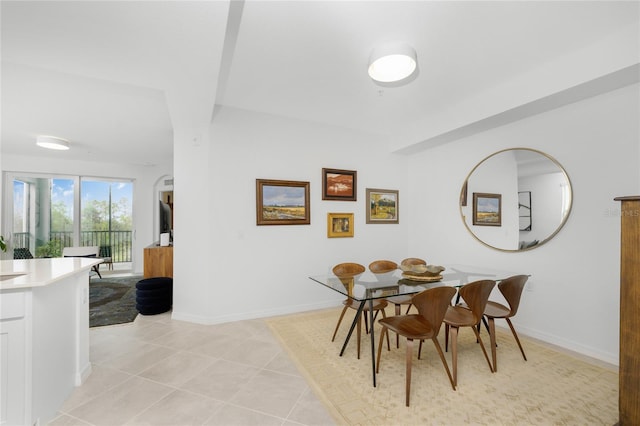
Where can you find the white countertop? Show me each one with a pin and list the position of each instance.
(26, 273)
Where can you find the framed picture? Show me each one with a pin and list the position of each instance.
(282, 202)
(382, 206)
(487, 209)
(339, 225)
(339, 184)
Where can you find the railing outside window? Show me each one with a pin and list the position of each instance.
(118, 241)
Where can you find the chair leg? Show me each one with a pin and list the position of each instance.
(484, 351)
(382, 333)
(397, 311)
(513, 330)
(446, 337)
(485, 325)
(339, 321)
(420, 349)
(454, 354)
(408, 308)
(408, 370)
(359, 332)
(384, 315)
(492, 337)
(444, 361)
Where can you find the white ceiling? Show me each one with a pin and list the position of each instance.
(114, 77)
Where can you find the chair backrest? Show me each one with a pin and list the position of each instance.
(348, 270)
(413, 261)
(22, 253)
(432, 304)
(382, 266)
(476, 295)
(511, 288)
(105, 251)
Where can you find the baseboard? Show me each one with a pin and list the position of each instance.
(82, 375)
(286, 310)
(594, 356)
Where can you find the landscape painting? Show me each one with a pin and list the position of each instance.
(339, 184)
(382, 206)
(487, 209)
(282, 202)
(339, 225)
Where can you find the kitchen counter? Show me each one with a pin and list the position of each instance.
(25, 273)
(44, 335)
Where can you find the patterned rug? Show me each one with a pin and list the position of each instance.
(551, 388)
(112, 300)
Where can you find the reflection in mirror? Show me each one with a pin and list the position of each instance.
(536, 199)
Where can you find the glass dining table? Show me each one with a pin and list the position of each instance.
(367, 287)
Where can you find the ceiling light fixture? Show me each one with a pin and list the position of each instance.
(51, 142)
(392, 62)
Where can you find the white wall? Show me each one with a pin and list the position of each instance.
(248, 271)
(145, 196)
(572, 297)
(546, 204)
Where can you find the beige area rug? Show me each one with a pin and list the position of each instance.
(551, 388)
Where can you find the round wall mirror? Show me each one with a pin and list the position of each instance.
(516, 199)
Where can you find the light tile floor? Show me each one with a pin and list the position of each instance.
(157, 371)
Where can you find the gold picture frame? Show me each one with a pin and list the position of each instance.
(340, 225)
(282, 202)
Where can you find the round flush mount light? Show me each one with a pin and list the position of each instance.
(51, 142)
(392, 62)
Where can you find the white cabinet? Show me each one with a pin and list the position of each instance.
(12, 359)
(44, 337)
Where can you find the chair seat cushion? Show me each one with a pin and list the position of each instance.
(410, 326)
(496, 310)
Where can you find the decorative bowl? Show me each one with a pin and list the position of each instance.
(423, 272)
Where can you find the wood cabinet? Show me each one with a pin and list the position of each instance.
(158, 261)
(629, 403)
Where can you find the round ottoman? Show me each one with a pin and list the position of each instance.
(154, 295)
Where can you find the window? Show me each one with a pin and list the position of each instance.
(49, 213)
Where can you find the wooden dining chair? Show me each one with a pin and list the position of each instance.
(475, 296)
(511, 288)
(432, 304)
(404, 300)
(347, 272)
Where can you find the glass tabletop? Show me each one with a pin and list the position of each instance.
(368, 285)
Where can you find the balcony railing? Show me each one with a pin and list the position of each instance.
(119, 243)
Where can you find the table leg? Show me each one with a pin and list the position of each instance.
(373, 345)
(353, 325)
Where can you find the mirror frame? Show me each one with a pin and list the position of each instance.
(463, 195)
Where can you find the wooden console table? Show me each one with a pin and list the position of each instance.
(158, 261)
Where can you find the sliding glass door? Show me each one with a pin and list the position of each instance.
(106, 217)
(52, 212)
(42, 219)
